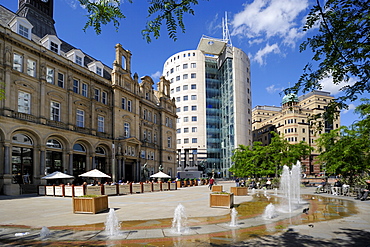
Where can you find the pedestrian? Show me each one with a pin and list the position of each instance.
(211, 182)
(237, 182)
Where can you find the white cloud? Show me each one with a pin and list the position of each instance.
(350, 108)
(73, 3)
(272, 89)
(268, 18)
(264, 20)
(214, 25)
(259, 57)
(156, 75)
(328, 85)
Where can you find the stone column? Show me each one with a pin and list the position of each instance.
(7, 156)
(42, 161)
(70, 165)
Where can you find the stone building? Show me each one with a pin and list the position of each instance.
(63, 110)
(292, 120)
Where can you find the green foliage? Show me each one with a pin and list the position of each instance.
(101, 13)
(168, 12)
(346, 151)
(263, 161)
(172, 13)
(341, 49)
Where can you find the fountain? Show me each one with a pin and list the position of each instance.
(112, 225)
(290, 185)
(179, 220)
(45, 232)
(270, 212)
(233, 222)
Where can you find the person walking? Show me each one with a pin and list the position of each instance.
(211, 182)
(237, 182)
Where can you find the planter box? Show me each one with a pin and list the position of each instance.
(179, 183)
(217, 188)
(239, 191)
(137, 188)
(173, 186)
(124, 189)
(90, 204)
(147, 187)
(157, 186)
(110, 190)
(221, 200)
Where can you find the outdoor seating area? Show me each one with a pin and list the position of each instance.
(102, 189)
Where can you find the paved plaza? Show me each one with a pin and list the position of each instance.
(146, 221)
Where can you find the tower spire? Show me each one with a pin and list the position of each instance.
(225, 30)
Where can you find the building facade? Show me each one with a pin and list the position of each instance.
(63, 110)
(211, 86)
(292, 120)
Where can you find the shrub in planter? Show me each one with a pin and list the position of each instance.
(90, 204)
(239, 191)
(221, 199)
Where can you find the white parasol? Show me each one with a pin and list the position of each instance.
(57, 175)
(160, 175)
(94, 174)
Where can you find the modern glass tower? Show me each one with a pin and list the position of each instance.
(212, 90)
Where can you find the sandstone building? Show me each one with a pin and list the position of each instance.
(63, 110)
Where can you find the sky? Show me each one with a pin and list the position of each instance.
(268, 31)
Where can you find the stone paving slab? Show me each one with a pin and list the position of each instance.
(57, 211)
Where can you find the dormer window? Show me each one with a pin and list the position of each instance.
(52, 43)
(76, 56)
(79, 60)
(21, 26)
(54, 47)
(96, 67)
(24, 31)
(98, 71)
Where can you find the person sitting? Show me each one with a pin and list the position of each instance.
(321, 186)
(345, 189)
(337, 186)
(364, 192)
(268, 184)
(253, 185)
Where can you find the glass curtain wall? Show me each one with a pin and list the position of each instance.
(213, 84)
(227, 115)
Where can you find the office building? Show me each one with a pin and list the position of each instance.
(212, 89)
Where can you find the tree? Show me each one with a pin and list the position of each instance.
(170, 12)
(341, 49)
(346, 151)
(258, 160)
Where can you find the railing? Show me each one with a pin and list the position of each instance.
(25, 116)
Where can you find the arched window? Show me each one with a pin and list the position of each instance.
(22, 159)
(100, 159)
(79, 148)
(54, 156)
(52, 143)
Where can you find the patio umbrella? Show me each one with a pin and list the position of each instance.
(94, 174)
(57, 175)
(160, 175)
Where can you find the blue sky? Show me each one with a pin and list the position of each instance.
(269, 31)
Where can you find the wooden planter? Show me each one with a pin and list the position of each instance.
(239, 191)
(90, 204)
(178, 184)
(217, 188)
(225, 200)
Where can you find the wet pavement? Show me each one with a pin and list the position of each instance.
(146, 221)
